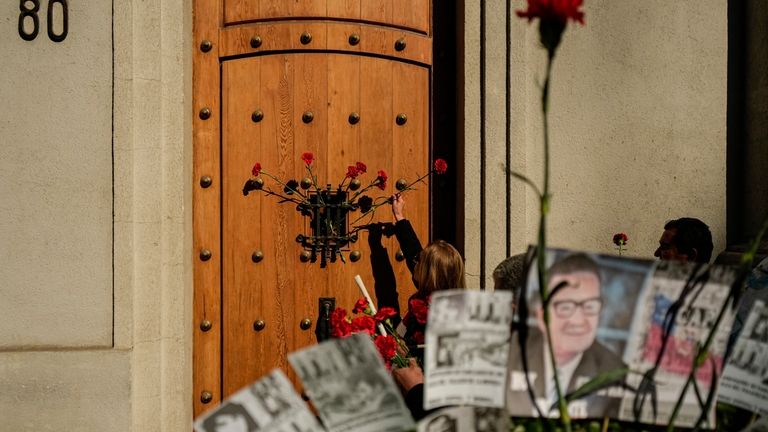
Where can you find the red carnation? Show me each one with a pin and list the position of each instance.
(553, 10)
(361, 305)
(620, 239)
(361, 168)
(419, 308)
(256, 170)
(387, 347)
(340, 325)
(364, 323)
(385, 313)
(441, 166)
(381, 180)
(352, 172)
(307, 157)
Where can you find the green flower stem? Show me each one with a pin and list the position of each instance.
(365, 189)
(372, 210)
(303, 197)
(271, 192)
(313, 177)
(562, 404)
(703, 352)
(388, 327)
(525, 180)
(409, 186)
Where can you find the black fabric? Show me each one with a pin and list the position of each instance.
(414, 400)
(409, 242)
(384, 282)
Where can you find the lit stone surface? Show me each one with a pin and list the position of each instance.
(56, 181)
(84, 391)
(637, 127)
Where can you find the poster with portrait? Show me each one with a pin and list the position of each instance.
(745, 379)
(467, 348)
(465, 419)
(674, 316)
(591, 319)
(347, 383)
(268, 405)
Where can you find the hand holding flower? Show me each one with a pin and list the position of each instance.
(398, 205)
(408, 377)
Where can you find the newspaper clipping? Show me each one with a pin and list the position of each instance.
(745, 380)
(466, 419)
(467, 348)
(684, 301)
(591, 318)
(268, 405)
(348, 384)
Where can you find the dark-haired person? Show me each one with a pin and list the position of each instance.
(574, 315)
(685, 239)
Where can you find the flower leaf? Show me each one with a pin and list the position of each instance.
(601, 381)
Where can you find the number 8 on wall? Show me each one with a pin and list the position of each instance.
(30, 9)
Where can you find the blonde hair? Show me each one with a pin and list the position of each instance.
(439, 267)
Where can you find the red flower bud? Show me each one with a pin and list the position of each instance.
(381, 180)
(256, 170)
(361, 305)
(365, 324)
(352, 172)
(340, 325)
(620, 239)
(441, 166)
(385, 313)
(361, 168)
(419, 309)
(553, 10)
(387, 346)
(307, 157)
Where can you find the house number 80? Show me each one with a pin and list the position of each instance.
(30, 8)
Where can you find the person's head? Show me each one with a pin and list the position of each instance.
(574, 310)
(510, 274)
(231, 417)
(439, 267)
(685, 239)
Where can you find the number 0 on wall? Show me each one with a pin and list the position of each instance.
(30, 9)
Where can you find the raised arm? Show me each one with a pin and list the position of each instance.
(406, 236)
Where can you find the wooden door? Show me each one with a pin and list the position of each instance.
(252, 290)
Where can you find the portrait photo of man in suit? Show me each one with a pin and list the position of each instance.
(574, 315)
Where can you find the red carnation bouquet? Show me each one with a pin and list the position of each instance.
(378, 325)
(350, 195)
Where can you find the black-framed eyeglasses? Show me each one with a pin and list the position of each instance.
(566, 308)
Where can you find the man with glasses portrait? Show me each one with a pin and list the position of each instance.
(574, 314)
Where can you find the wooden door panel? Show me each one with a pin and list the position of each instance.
(280, 290)
(344, 8)
(410, 94)
(242, 300)
(411, 14)
(277, 143)
(379, 11)
(408, 14)
(311, 86)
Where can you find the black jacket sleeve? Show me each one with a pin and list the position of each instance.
(409, 242)
(414, 400)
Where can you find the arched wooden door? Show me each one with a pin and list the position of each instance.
(355, 65)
